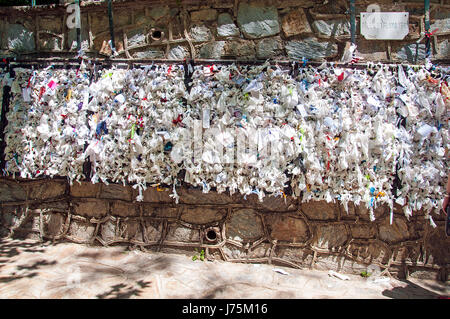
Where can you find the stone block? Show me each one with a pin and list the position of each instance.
(363, 212)
(407, 52)
(261, 251)
(363, 231)
(269, 203)
(327, 262)
(257, 20)
(12, 191)
(49, 42)
(330, 236)
(295, 23)
(136, 37)
(286, 228)
(295, 3)
(212, 50)
(12, 217)
(241, 49)
(157, 13)
(350, 214)
(245, 225)
(140, 18)
(202, 215)
(196, 196)
(183, 234)
(441, 21)
(294, 254)
(46, 189)
(200, 33)
(152, 230)
(178, 53)
(396, 232)
(84, 189)
(91, 208)
(122, 19)
(160, 212)
(108, 230)
(371, 50)
(57, 206)
(153, 195)
(319, 210)
(99, 23)
(443, 50)
(18, 39)
(331, 28)
(130, 230)
(269, 47)
(437, 246)
(81, 231)
(233, 252)
(310, 48)
(115, 191)
(369, 253)
(51, 23)
(124, 209)
(204, 15)
(406, 254)
(226, 26)
(53, 224)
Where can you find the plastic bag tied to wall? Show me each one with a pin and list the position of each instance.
(329, 134)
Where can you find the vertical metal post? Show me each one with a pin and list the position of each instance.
(78, 17)
(4, 120)
(427, 27)
(352, 20)
(111, 25)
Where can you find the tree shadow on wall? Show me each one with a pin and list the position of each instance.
(412, 291)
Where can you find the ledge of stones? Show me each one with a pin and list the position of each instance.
(316, 235)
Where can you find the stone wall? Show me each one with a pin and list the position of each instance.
(232, 228)
(219, 29)
(316, 234)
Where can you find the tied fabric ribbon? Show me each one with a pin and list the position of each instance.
(41, 92)
(52, 84)
(133, 130)
(211, 68)
(101, 127)
(178, 119)
(304, 60)
(69, 95)
(428, 34)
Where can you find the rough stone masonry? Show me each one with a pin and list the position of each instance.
(243, 30)
(316, 234)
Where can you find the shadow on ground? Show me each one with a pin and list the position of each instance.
(132, 273)
(122, 291)
(413, 291)
(10, 249)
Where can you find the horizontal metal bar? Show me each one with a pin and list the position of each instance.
(127, 62)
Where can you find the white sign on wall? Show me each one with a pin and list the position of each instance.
(384, 25)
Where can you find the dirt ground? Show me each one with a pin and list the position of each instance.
(30, 269)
